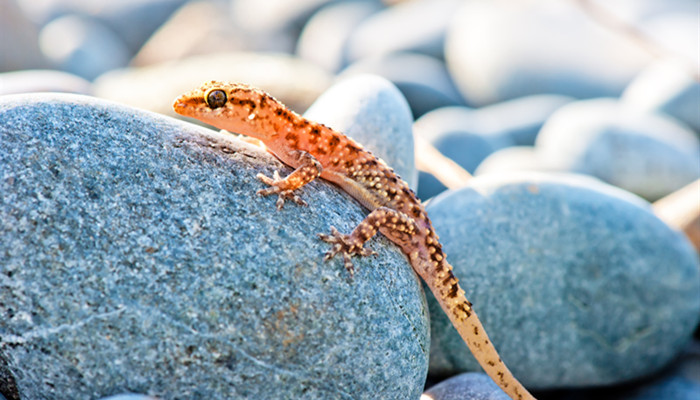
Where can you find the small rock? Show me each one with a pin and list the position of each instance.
(132, 20)
(416, 26)
(82, 46)
(422, 79)
(468, 386)
(273, 25)
(372, 111)
(647, 154)
(19, 47)
(668, 87)
(135, 254)
(295, 82)
(511, 159)
(129, 396)
(500, 50)
(198, 27)
(549, 261)
(28, 81)
(324, 38)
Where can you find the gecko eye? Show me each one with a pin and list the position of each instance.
(215, 98)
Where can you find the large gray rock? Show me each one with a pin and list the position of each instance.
(136, 257)
(576, 282)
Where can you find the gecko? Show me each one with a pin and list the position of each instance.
(315, 150)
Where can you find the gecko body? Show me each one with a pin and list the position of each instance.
(315, 150)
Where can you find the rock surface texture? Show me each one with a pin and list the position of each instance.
(135, 257)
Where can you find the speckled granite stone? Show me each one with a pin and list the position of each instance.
(576, 282)
(136, 257)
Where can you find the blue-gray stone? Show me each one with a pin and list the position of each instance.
(129, 396)
(576, 282)
(31, 81)
(667, 87)
(416, 26)
(136, 257)
(83, 46)
(499, 50)
(324, 38)
(467, 386)
(153, 87)
(424, 80)
(132, 20)
(511, 159)
(372, 111)
(647, 154)
(19, 47)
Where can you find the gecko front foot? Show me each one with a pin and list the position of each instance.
(279, 186)
(347, 245)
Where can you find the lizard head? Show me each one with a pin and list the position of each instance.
(232, 106)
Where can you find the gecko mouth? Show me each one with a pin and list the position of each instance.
(183, 105)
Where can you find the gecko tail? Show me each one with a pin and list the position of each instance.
(474, 335)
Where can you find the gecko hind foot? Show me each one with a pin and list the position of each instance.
(347, 245)
(275, 187)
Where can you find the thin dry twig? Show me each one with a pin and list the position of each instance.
(681, 210)
(429, 159)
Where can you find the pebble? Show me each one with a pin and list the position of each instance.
(422, 79)
(467, 386)
(372, 111)
(667, 87)
(497, 50)
(273, 25)
(414, 26)
(83, 46)
(647, 154)
(198, 27)
(129, 396)
(297, 83)
(511, 159)
(19, 48)
(324, 38)
(133, 21)
(135, 254)
(549, 262)
(27, 81)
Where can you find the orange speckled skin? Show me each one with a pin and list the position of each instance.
(316, 150)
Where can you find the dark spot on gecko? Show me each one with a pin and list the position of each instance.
(321, 151)
(352, 149)
(416, 211)
(333, 141)
(291, 136)
(476, 331)
(466, 310)
(491, 363)
(453, 290)
(348, 164)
